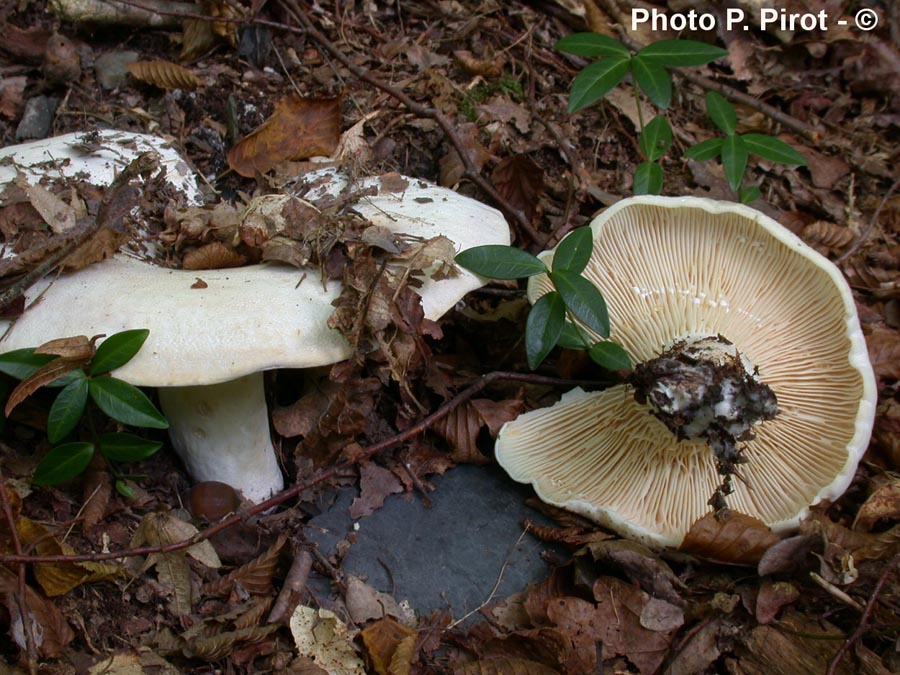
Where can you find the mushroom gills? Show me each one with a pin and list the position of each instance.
(702, 387)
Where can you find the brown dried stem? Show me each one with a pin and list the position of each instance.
(313, 481)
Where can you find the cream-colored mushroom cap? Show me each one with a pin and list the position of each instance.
(671, 268)
(246, 319)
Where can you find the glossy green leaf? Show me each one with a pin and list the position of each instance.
(583, 299)
(648, 179)
(749, 194)
(126, 403)
(704, 150)
(595, 80)
(610, 356)
(680, 53)
(63, 463)
(125, 489)
(734, 160)
(574, 251)
(773, 149)
(721, 112)
(67, 409)
(573, 337)
(500, 262)
(653, 80)
(542, 329)
(592, 44)
(656, 138)
(20, 363)
(120, 447)
(117, 350)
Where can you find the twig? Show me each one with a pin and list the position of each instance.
(21, 599)
(864, 619)
(835, 591)
(867, 230)
(293, 587)
(292, 7)
(315, 480)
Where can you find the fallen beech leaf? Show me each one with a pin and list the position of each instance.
(452, 168)
(164, 74)
(255, 576)
(789, 555)
(298, 129)
(375, 484)
(129, 663)
(364, 603)
(212, 256)
(46, 374)
(501, 665)
(50, 628)
(60, 578)
(882, 504)
(320, 635)
(520, 181)
(737, 539)
(78, 348)
(382, 641)
(772, 597)
(642, 567)
(215, 647)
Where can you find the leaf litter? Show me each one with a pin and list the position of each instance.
(735, 598)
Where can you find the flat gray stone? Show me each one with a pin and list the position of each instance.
(448, 556)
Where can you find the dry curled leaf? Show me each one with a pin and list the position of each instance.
(220, 645)
(735, 539)
(383, 640)
(298, 129)
(521, 182)
(502, 665)
(164, 74)
(213, 256)
(322, 636)
(46, 374)
(48, 625)
(255, 576)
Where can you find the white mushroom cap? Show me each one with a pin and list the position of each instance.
(676, 267)
(208, 346)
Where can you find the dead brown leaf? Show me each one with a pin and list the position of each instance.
(521, 182)
(452, 168)
(736, 539)
(772, 597)
(47, 623)
(502, 665)
(46, 374)
(255, 577)
(642, 566)
(213, 256)
(298, 129)
(385, 643)
(883, 504)
(884, 351)
(375, 484)
(164, 74)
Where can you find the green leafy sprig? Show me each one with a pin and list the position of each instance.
(734, 149)
(92, 383)
(552, 319)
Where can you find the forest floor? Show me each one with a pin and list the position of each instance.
(472, 96)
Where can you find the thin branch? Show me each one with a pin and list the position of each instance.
(863, 626)
(867, 230)
(313, 481)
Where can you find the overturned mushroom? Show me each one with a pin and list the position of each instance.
(208, 346)
(751, 363)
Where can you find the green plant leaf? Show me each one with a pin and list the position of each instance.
(20, 363)
(734, 160)
(648, 179)
(611, 356)
(680, 53)
(125, 489)
(583, 299)
(120, 447)
(592, 44)
(574, 251)
(500, 262)
(573, 337)
(542, 329)
(63, 463)
(126, 403)
(595, 80)
(654, 81)
(67, 409)
(721, 112)
(774, 149)
(704, 150)
(117, 350)
(656, 138)
(749, 194)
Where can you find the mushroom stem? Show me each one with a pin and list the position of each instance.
(701, 387)
(221, 433)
